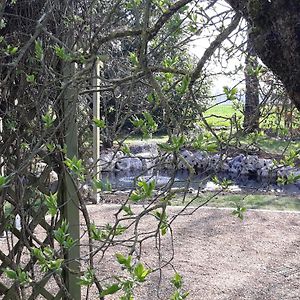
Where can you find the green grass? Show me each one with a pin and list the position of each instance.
(156, 139)
(220, 112)
(277, 146)
(274, 146)
(259, 201)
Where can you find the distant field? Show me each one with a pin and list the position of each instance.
(216, 115)
(216, 118)
(156, 139)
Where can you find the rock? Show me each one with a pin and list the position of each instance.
(108, 159)
(148, 159)
(234, 188)
(165, 162)
(186, 160)
(197, 160)
(143, 148)
(285, 171)
(264, 172)
(128, 164)
(211, 187)
(147, 156)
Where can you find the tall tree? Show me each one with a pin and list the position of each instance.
(275, 32)
(251, 109)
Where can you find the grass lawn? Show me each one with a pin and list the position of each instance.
(215, 115)
(271, 145)
(156, 139)
(277, 146)
(259, 201)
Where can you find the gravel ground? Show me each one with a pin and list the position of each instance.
(219, 256)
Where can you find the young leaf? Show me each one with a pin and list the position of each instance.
(177, 281)
(39, 52)
(11, 274)
(124, 261)
(127, 210)
(88, 278)
(99, 123)
(51, 203)
(141, 272)
(112, 289)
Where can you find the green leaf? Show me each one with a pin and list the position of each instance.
(96, 233)
(102, 185)
(141, 272)
(124, 261)
(88, 278)
(174, 145)
(51, 203)
(2, 23)
(48, 120)
(63, 237)
(120, 230)
(11, 274)
(11, 50)
(62, 54)
(163, 219)
(4, 180)
(177, 281)
(30, 78)
(126, 150)
(144, 191)
(184, 85)
(133, 58)
(50, 146)
(127, 209)
(76, 166)
(99, 123)
(112, 289)
(39, 52)
(239, 212)
(230, 93)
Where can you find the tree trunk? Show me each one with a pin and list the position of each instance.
(275, 32)
(251, 110)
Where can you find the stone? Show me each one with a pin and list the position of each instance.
(108, 159)
(128, 164)
(143, 148)
(211, 187)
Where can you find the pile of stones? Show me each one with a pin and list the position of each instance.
(145, 156)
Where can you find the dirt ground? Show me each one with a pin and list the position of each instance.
(219, 256)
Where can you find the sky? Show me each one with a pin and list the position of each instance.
(198, 47)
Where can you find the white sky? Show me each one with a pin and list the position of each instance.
(198, 47)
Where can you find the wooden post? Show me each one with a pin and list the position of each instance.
(1, 158)
(96, 129)
(69, 189)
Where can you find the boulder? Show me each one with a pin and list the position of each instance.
(128, 164)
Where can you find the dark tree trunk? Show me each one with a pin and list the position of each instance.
(251, 110)
(275, 32)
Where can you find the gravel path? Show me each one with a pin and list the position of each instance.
(221, 257)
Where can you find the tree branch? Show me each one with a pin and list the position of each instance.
(212, 48)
